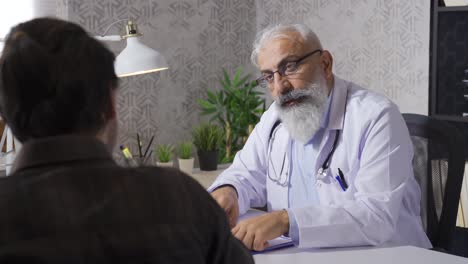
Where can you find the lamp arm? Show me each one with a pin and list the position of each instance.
(109, 27)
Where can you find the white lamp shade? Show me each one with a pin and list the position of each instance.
(137, 59)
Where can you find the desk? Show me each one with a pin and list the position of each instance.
(206, 178)
(356, 255)
(353, 255)
(361, 255)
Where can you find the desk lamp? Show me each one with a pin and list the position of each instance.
(136, 58)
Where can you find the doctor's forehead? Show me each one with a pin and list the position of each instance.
(275, 50)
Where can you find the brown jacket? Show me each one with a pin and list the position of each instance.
(68, 201)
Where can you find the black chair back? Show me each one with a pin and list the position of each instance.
(438, 166)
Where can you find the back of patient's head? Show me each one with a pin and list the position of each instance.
(54, 80)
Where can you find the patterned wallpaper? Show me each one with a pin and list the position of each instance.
(382, 45)
(197, 37)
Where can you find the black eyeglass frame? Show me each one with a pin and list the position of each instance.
(282, 68)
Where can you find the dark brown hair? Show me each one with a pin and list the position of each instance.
(55, 79)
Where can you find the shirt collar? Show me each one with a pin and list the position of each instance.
(59, 149)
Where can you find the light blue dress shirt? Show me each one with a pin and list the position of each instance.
(302, 190)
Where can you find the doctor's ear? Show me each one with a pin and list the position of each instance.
(327, 64)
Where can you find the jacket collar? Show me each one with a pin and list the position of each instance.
(338, 104)
(60, 149)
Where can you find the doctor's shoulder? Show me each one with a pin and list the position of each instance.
(365, 104)
(268, 120)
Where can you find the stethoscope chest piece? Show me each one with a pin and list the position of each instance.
(322, 177)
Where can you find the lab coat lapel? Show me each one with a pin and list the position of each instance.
(336, 119)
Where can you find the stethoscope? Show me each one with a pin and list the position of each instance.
(277, 178)
(321, 173)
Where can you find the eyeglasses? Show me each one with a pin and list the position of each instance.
(284, 69)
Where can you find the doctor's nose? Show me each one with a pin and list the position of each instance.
(281, 85)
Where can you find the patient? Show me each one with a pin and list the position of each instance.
(67, 200)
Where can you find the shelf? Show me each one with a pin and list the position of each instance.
(452, 8)
(452, 118)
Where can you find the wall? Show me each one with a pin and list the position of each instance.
(382, 45)
(198, 38)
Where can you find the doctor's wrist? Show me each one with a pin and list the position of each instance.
(284, 220)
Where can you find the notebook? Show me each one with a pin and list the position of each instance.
(277, 243)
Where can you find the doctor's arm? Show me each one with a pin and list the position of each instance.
(381, 182)
(247, 174)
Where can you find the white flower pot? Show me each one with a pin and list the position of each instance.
(186, 165)
(169, 164)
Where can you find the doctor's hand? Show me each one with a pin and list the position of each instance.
(227, 198)
(255, 232)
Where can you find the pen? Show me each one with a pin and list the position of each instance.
(149, 145)
(342, 178)
(139, 145)
(127, 155)
(338, 179)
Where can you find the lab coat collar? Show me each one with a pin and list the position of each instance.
(338, 104)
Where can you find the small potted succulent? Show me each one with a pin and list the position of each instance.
(207, 139)
(164, 154)
(185, 157)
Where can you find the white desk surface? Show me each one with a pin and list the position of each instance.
(353, 255)
(361, 255)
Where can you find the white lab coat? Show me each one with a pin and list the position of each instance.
(374, 151)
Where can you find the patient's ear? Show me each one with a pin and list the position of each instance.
(109, 132)
(111, 111)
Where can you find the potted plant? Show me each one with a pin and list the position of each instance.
(164, 155)
(207, 139)
(184, 152)
(237, 107)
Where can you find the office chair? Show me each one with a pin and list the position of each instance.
(438, 165)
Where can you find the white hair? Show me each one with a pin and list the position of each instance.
(280, 31)
(303, 121)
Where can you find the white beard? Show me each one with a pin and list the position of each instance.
(303, 120)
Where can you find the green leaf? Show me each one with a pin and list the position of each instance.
(235, 81)
(211, 96)
(227, 81)
(209, 111)
(205, 104)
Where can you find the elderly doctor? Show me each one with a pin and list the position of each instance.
(331, 160)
